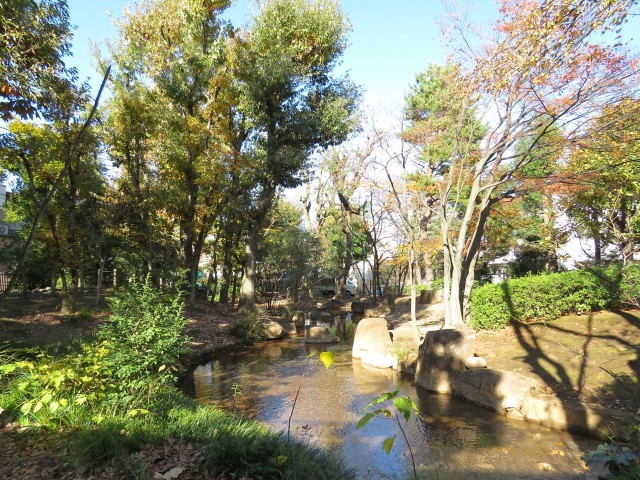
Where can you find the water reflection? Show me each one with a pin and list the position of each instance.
(451, 436)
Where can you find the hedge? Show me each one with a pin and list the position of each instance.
(542, 297)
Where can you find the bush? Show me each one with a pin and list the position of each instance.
(624, 281)
(75, 388)
(541, 297)
(145, 335)
(250, 328)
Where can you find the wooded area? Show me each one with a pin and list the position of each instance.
(529, 136)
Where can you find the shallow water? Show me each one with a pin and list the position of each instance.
(450, 439)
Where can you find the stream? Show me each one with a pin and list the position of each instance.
(451, 439)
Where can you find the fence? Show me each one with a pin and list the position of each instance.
(4, 281)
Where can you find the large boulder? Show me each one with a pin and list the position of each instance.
(289, 328)
(499, 390)
(372, 344)
(441, 358)
(273, 330)
(377, 311)
(428, 297)
(319, 335)
(388, 302)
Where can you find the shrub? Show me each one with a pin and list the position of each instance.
(53, 391)
(437, 284)
(145, 335)
(250, 328)
(540, 297)
(623, 281)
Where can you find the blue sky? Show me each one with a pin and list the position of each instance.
(391, 41)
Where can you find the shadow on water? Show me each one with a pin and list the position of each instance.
(451, 439)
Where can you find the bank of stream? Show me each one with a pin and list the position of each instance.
(450, 439)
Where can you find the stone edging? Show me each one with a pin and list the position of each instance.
(440, 367)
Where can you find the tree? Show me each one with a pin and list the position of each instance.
(60, 145)
(35, 35)
(604, 170)
(293, 104)
(288, 252)
(446, 128)
(542, 72)
(346, 169)
(176, 54)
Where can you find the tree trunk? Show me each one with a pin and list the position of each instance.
(247, 301)
(414, 320)
(100, 276)
(234, 289)
(597, 250)
(226, 265)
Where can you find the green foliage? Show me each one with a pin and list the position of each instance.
(52, 391)
(252, 451)
(624, 280)
(621, 458)
(249, 328)
(403, 406)
(120, 375)
(541, 297)
(145, 335)
(437, 284)
(35, 36)
(233, 445)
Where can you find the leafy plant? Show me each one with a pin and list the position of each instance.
(403, 406)
(145, 335)
(621, 458)
(250, 328)
(539, 297)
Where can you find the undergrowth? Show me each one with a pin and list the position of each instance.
(116, 395)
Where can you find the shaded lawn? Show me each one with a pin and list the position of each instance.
(593, 358)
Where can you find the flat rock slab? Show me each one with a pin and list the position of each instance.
(498, 390)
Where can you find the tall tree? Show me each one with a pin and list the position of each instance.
(292, 102)
(542, 71)
(604, 169)
(35, 36)
(176, 50)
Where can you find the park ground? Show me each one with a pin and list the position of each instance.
(592, 358)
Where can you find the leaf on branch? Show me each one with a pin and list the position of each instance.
(326, 358)
(388, 443)
(364, 420)
(403, 406)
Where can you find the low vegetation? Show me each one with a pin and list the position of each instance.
(549, 296)
(115, 396)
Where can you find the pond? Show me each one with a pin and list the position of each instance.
(450, 439)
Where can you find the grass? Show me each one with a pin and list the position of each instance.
(230, 445)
